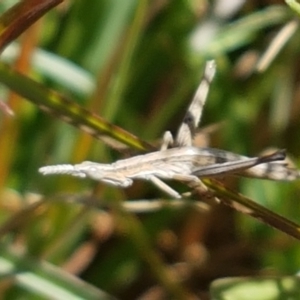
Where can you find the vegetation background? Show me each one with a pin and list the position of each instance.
(137, 65)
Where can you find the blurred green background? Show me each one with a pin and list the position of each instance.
(137, 63)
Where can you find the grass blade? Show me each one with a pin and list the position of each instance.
(67, 110)
(247, 206)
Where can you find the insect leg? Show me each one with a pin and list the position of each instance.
(196, 184)
(237, 165)
(193, 115)
(191, 179)
(164, 187)
(167, 141)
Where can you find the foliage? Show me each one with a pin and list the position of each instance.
(134, 65)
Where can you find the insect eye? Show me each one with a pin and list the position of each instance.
(188, 119)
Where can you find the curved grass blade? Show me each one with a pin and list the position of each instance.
(58, 69)
(67, 110)
(22, 15)
(242, 31)
(294, 5)
(247, 206)
(259, 287)
(45, 280)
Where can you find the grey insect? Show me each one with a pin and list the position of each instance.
(179, 160)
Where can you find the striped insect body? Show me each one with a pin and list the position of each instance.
(179, 160)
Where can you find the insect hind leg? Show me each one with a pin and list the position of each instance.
(164, 187)
(196, 184)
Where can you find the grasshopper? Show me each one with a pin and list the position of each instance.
(179, 160)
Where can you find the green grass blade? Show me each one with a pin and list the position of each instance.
(294, 5)
(44, 279)
(114, 99)
(259, 288)
(66, 110)
(243, 31)
(247, 206)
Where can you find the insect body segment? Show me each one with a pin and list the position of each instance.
(183, 162)
(173, 163)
